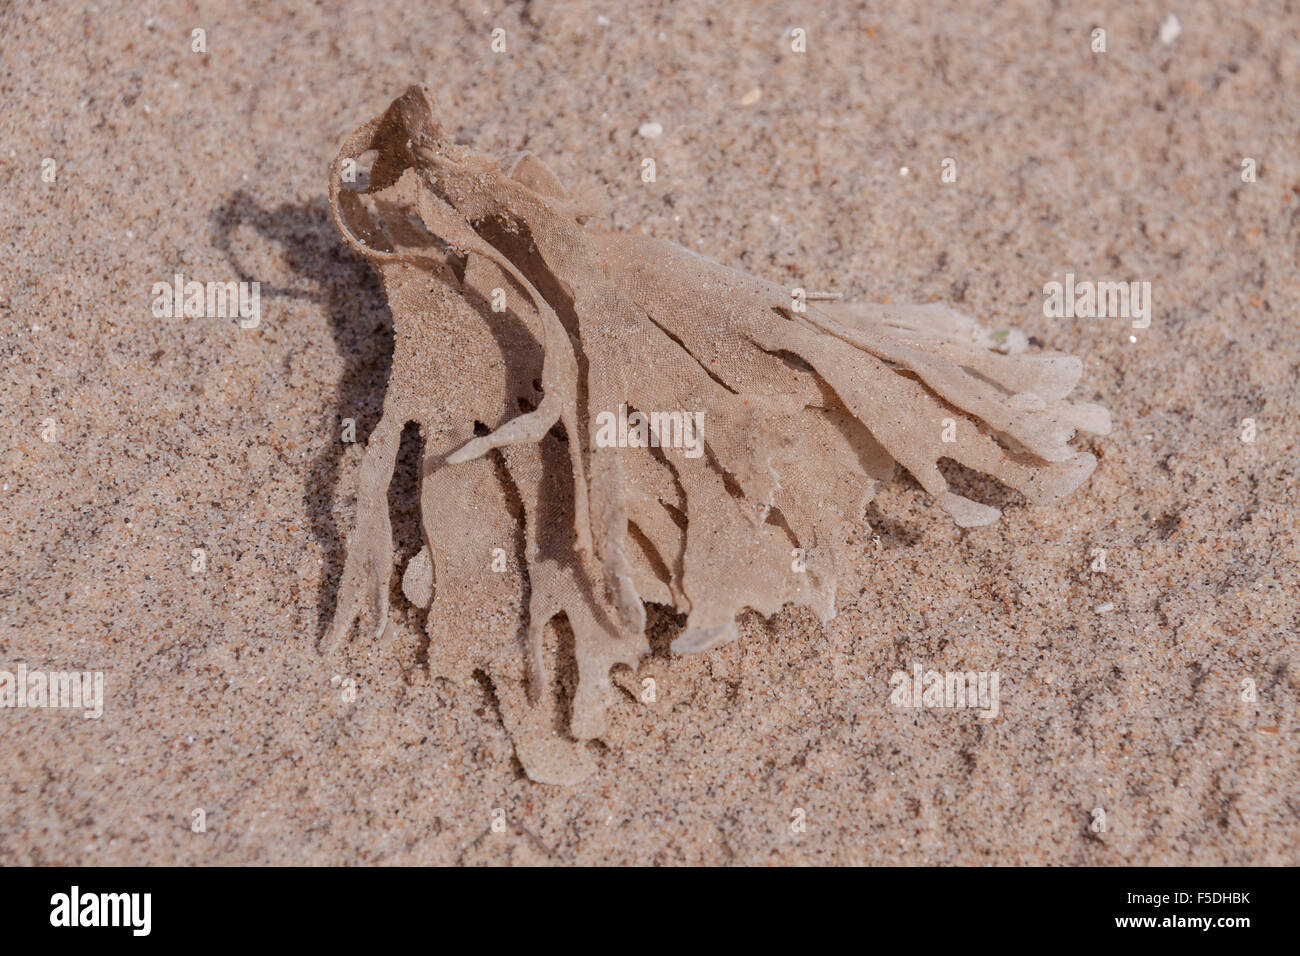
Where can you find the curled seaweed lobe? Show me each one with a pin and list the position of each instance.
(610, 419)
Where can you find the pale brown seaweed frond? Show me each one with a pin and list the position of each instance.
(802, 414)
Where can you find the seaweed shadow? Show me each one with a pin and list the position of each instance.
(344, 285)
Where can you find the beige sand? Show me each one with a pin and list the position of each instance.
(1121, 692)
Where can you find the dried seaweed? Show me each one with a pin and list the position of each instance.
(524, 329)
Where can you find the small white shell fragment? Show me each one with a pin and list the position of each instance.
(650, 130)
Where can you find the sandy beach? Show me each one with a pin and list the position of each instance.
(177, 491)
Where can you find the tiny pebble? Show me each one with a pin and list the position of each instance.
(651, 130)
(752, 97)
(1103, 608)
(1170, 29)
